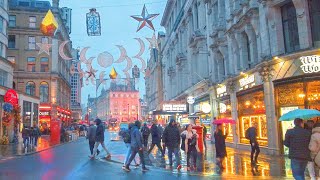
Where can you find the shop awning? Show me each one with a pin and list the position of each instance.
(167, 113)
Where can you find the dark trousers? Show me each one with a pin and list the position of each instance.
(174, 151)
(192, 154)
(298, 167)
(255, 150)
(145, 141)
(159, 148)
(133, 155)
(91, 146)
(36, 141)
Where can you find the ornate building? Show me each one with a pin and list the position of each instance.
(251, 54)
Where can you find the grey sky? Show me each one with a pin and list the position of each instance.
(118, 28)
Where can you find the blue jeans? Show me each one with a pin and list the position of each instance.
(298, 167)
(176, 154)
(129, 151)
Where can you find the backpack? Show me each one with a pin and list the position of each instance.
(247, 134)
(145, 131)
(126, 136)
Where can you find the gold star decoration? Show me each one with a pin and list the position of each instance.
(153, 42)
(44, 48)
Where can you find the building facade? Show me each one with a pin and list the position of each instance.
(36, 72)
(76, 86)
(262, 59)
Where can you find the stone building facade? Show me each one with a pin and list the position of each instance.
(246, 55)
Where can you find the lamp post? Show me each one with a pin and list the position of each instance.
(128, 112)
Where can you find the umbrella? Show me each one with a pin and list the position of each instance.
(300, 113)
(224, 121)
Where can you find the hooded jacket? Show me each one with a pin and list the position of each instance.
(314, 144)
(99, 131)
(136, 137)
(171, 136)
(156, 137)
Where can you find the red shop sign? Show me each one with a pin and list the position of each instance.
(11, 97)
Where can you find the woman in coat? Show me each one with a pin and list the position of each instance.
(220, 143)
(191, 146)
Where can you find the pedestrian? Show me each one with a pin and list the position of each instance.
(37, 135)
(297, 140)
(63, 133)
(126, 136)
(136, 147)
(314, 147)
(145, 135)
(190, 140)
(220, 144)
(91, 137)
(25, 135)
(180, 128)
(32, 136)
(310, 166)
(171, 139)
(205, 131)
(251, 135)
(156, 138)
(99, 139)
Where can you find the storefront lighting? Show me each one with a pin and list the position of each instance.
(276, 58)
(301, 95)
(247, 103)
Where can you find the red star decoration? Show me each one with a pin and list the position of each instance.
(145, 19)
(91, 73)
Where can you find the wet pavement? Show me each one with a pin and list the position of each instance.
(70, 161)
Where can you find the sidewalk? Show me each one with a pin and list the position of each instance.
(11, 150)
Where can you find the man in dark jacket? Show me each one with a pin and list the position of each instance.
(91, 137)
(171, 139)
(297, 140)
(145, 134)
(136, 147)
(251, 134)
(156, 138)
(99, 139)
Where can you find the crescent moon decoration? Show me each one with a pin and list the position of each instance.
(142, 47)
(105, 59)
(127, 76)
(83, 54)
(123, 54)
(81, 73)
(72, 69)
(143, 64)
(129, 64)
(61, 51)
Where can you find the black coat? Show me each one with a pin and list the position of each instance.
(171, 136)
(297, 140)
(156, 138)
(99, 132)
(252, 134)
(220, 143)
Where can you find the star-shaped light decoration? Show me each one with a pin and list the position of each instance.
(153, 42)
(44, 48)
(145, 19)
(49, 25)
(91, 73)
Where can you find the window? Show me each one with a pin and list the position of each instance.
(31, 66)
(2, 3)
(35, 113)
(12, 21)
(11, 59)
(27, 113)
(30, 88)
(314, 8)
(44, 64)
(32, 21)
(290, 27)
(2, 26)
(44, 40)
(44, 92)
(3, 77)
(12, 41)
(2, 50)
(32, 42)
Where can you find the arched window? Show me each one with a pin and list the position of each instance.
(31, 88)
(44, 92)
(246, 51)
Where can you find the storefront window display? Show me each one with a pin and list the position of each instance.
(252, 110)
(225, 112)
(27, 113)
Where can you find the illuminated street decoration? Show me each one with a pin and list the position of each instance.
(191, 100)
(129, 64)
(123, 54)
(93, 23)
(113, 73)
(105, 59)
(91, 73)
(44, 48)
(221, 90)
(310, 64)
(61, 51)
(153, 42)
(223, 107)
(142, 48)
(135, 72)
(206, 108)
(49, 24)
(145, 19)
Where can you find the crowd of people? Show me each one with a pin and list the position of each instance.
(30, 136)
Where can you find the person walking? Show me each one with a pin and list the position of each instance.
(191, 148)
(156, 138)
(314, 147)
(91, 137)
(145, 134)
(25, 135)
(99, 139)
(126, 136)
(171, 140)
(251, 135)
(220, 144)
(37, 134)
(310, 166)
(297, 140)
(136, 147)
(205, 131)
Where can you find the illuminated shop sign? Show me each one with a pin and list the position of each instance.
(223, 108)
(174, 107)
(246, 81)
(44, 113)
(310, 64)
(221, 91)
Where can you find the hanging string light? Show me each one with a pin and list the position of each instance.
(93, 23)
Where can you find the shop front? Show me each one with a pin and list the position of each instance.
(171, 109)
(202, 112)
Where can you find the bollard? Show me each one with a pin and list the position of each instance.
(200, 157)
